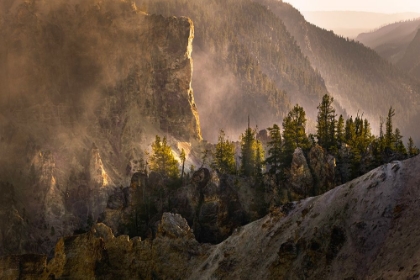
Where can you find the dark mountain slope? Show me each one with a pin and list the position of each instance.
(245, 62)
(410, 62)
(358, 78)
(391, 41)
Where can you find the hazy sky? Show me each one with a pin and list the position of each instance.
(380, 6)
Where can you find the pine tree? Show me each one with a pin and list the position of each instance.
(412, 150)
(358, 126)
(182, 156)
(350, 131)
(340, 130)
(204, 157)
(162, 160)
(326, 123)
(275, 150)
(294, 134)
(398, 143)
(259, 159)
(224, 156)
(389, 135)
(247, 152)
(367, 133)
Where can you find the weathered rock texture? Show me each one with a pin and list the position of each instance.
(98, 254)
(301, 180)
(212, 204)
(365, 229)
(85, 87)
(322, 165)
(311, 175)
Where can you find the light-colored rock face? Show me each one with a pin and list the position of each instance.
(323, 167)
(81, 73)
(300, 180)
(364, 229)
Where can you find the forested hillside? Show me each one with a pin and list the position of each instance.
(398, 43)
(245, 63)
(410, 62)
(391, 41)
(357, 77)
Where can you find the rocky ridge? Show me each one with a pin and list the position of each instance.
(364, 229)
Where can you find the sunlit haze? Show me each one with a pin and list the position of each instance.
(380, 6)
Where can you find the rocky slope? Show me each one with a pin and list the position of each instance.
(86, 85)
(365, 229)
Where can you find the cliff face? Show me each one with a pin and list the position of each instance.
(85, 86)
(364, 229)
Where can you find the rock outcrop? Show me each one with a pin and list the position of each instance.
(301, 181)
(211, 203)
(98, 254)
(322, 165)
(364, 229)
(313, 174)
(74, 74)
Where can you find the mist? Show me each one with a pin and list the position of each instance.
(84, 88)
(352, 23)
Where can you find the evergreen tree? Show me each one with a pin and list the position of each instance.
(326, 123)
(389, 136)
(358, 126)
(182, 156)
(259, 159)
(294, 132)
(224, 157)
(162, 160)
(398, 143)
(381, 139)
(350, 130)
(204, 157)
(412, 149)
(340, 130)
(275, 152)
(366, 137)
(367, 133)
(248, 152)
